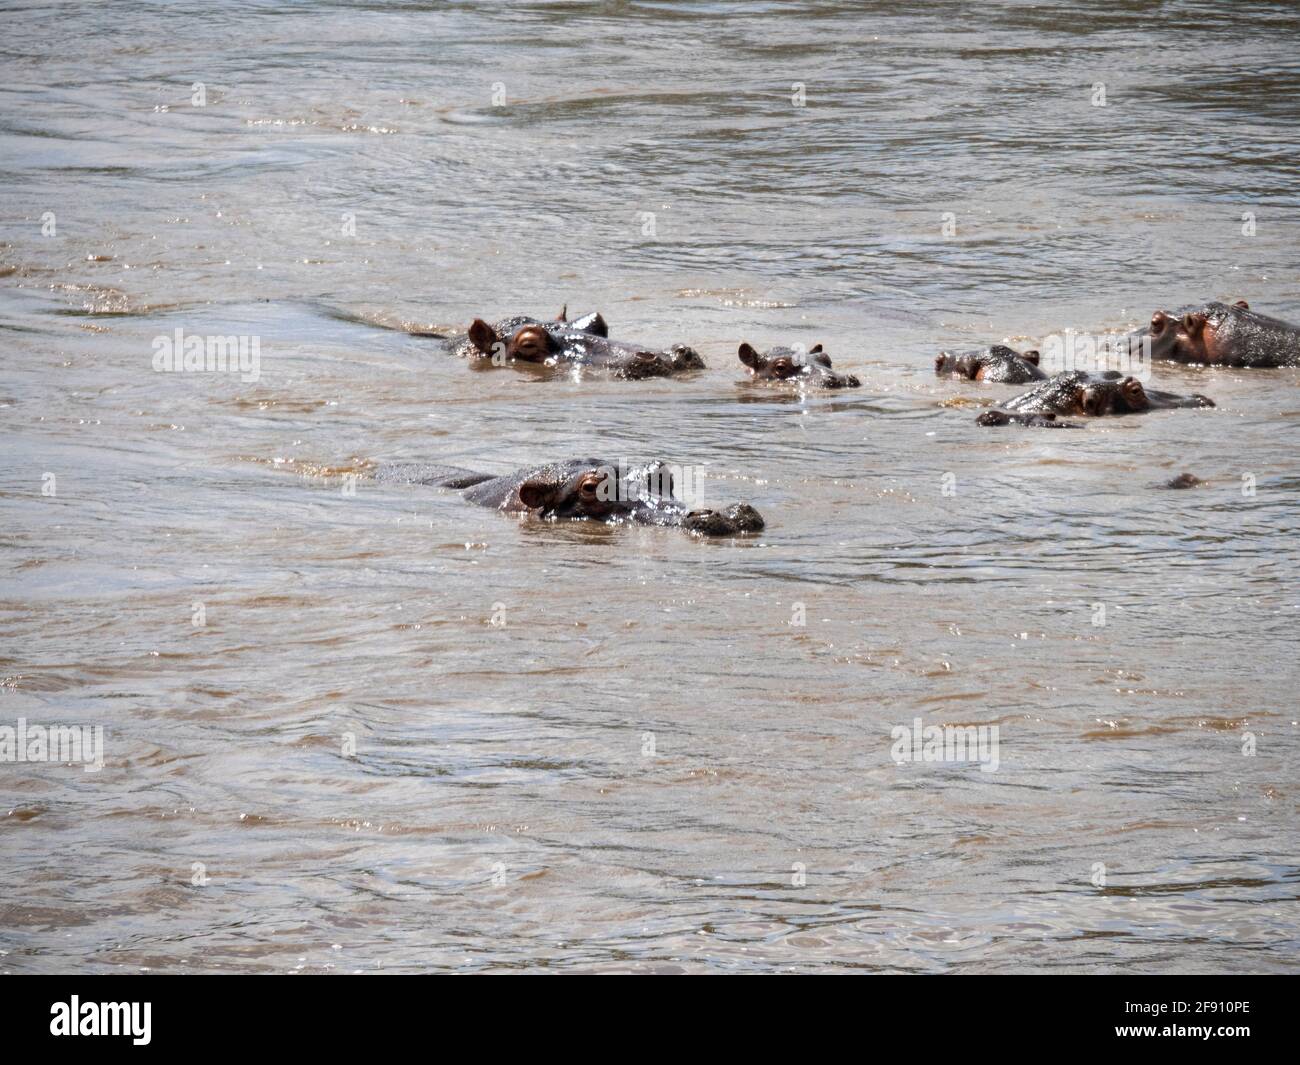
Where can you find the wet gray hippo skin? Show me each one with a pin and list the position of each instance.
(1078, 392)
(583, 343)
(804, 370)
(1032, 421)
(996, 363)
(582, 490)
(1222, 334)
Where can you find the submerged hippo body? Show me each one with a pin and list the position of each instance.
(1222, 334)
(1032, 421)
(583, 343)
(996, 363)
(582, 490)
(1078, 392)
(812, 369)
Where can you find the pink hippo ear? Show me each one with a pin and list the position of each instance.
(1242, 304)
(482, 336)
(537, 494)
(1031, 356)
(749, 356)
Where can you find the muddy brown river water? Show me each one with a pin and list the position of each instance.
(359, 727)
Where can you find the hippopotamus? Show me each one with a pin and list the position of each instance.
(1221, 334)
(1079, 392)
(587, 489)
(996, 363)
(1032, 421)
(786, 364)
(582, 343)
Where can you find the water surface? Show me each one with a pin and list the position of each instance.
(358, 169)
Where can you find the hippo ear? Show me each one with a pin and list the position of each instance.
(816, 349)
(593, 323)
(1242, 304)
(482, 336)
(749, 356)
(538, 494)
(563, 316)
(1031, 357)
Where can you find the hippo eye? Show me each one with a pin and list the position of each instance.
(590, 486)
(531, 341)
(783, 367)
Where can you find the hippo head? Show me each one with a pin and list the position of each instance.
(1102, 396)
(1196, 335)
(643, 495)
(628, 360)
(1097, 394)
(530, 339)
(786, 364)
(996, 363)
(582, 342)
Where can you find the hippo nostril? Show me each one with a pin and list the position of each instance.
(647, 356)
(738, 518)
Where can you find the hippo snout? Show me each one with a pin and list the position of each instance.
(685, 358)
(642, 363)
(837, 380)
(737, 518)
